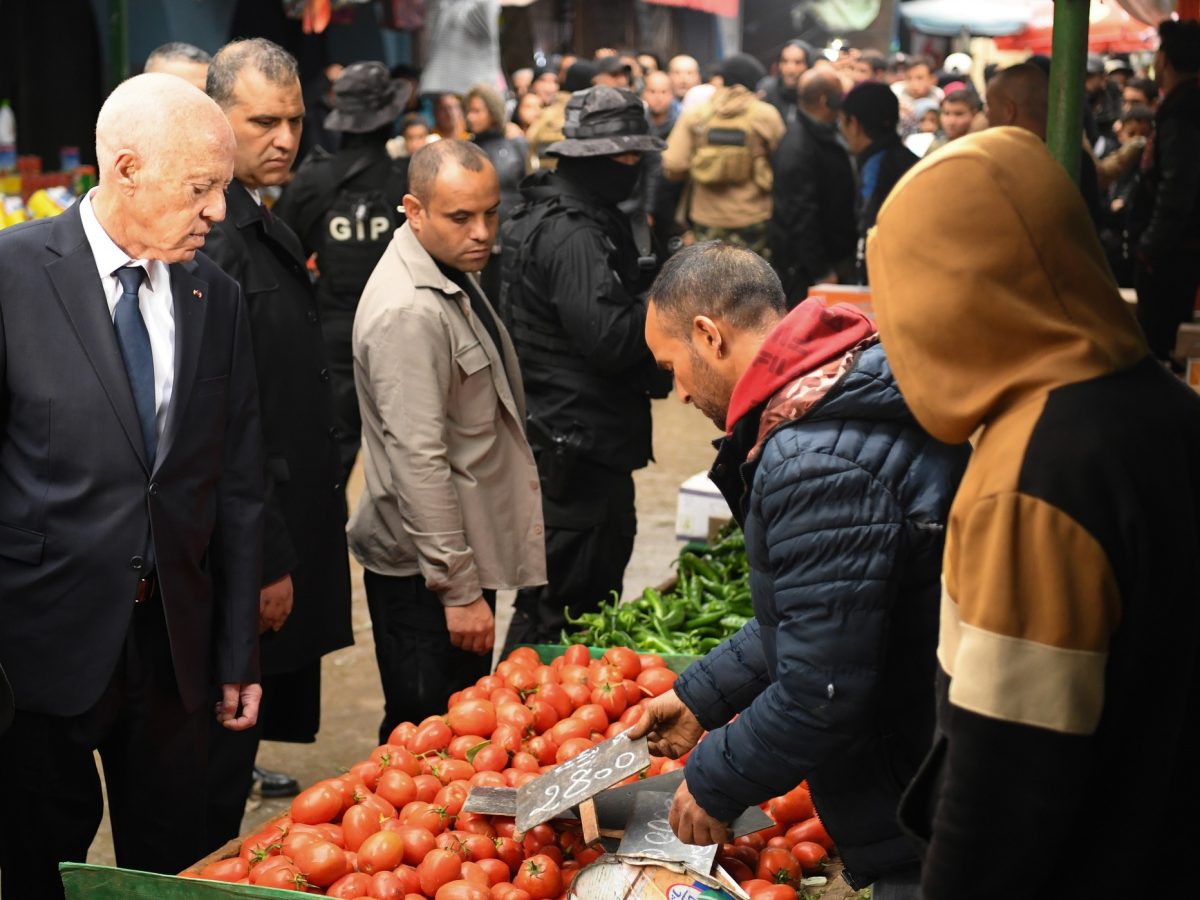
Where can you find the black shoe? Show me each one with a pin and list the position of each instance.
(276, 784)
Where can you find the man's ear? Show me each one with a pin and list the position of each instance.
(127, 166)
(414, 211)
(707, 334)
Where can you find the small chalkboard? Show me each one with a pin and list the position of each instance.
(614, 807)
(492, 801)
(578, 779)
(648, 834)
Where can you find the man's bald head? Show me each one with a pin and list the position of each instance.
(453, 203)
(1018, 96)
(820, 92)
(156, 115)
(165, 153)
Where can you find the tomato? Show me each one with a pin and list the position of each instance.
(543, 748)
(517, 715)
(417, 842)
(496, 870)
(233, 869)
(594, 714)
(350, 886)
(405, 877)
(794, 806)
(603, 673)
(401, 734)
(381, 850)
(261, 869)
(522, 679)
(755, 840)
(461, 889)
(358, 824)
(574, 674)
(573, 727)
(747, 854)
(297, 839)
(427, 786)
(452, 797)
(572, 748)
(651, 661)
(657, 681)
(556, 696)
(579, 694)
(778, 865)
(577, 655)
(504, 695)
(462, 744)
(774, 892)
(488, 779)
(736, 869)
(472, 717)
(544, 715)
(538, 838)
(375, 802)
(612, 699)
(367, 772)
(448, 770)
(396, 787)
(810, 830)
(474, 873)
(490, 758)
(509, 736)
(540, 876)
(431, 736)
(754, 884)
(509, 852)
(546, 675)
(322, 863)
(811, 856)
(260, 846)
(526, 762)
(287, 877)
(525, 656)
(320, 803)
(624, 660)
(438, 868)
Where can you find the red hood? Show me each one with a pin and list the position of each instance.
(810, 336)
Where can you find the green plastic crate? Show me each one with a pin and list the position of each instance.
(676, 663)
(83, 882)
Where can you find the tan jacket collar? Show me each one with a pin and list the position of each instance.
(421, 266)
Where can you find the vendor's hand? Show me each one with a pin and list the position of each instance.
(247, 696)
(274, 604)
(472, 627)
(669, 726)
(692, 824)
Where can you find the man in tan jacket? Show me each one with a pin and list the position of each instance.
(451, 510)
(723, 147)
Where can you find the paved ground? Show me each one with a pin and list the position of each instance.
(353, 701)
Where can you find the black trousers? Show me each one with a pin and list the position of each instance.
(590, 527)
(418, 666)
(1166, 299)
(154, 754)
(291, 712)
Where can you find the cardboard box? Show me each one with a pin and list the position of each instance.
(701, 510)
(854, 294)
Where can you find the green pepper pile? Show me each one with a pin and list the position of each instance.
(709, 603)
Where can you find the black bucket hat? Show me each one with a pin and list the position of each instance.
(604, 121)
(366, 97)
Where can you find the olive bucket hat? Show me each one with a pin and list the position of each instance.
(366, 97)
(604, 121)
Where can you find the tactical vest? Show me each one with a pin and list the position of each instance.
(729, 150)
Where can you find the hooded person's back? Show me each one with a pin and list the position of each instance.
(1069, 628)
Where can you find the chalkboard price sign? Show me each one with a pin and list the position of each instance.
(648, 834)
(579, 779)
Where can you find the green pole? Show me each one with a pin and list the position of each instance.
(118, 42)
(1064, 129)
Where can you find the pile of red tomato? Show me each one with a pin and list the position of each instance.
(393, 828)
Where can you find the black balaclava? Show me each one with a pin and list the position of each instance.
(605, 179)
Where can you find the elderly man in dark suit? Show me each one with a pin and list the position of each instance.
(131, 497)
(305, 594)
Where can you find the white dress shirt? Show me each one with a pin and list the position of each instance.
(154, 300)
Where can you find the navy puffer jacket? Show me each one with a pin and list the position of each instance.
(844, 512)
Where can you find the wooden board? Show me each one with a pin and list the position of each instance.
(492, 801)
(648, 835)
(579, 779)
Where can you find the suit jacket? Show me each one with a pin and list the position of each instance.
(305, 533)
(452, 491)
(79, 505)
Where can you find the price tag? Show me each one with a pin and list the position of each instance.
(578, 779)
(648, 834)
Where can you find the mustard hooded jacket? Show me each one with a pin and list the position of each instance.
(1072, 565)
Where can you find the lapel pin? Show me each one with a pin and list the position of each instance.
(197, 295)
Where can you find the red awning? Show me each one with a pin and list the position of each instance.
(716, 7)
(1110, 30)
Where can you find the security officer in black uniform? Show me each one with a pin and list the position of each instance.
(575, 271)
(344, 208)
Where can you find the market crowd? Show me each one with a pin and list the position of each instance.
(972, 517)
